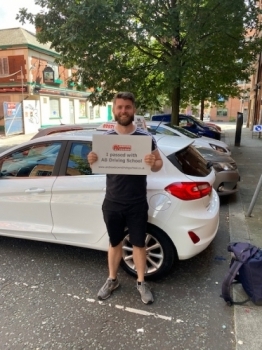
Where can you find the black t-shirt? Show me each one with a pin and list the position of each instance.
(127, 189)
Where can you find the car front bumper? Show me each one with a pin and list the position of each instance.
(226, 182)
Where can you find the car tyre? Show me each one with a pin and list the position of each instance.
(161, 254)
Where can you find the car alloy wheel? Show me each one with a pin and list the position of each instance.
(160, 253)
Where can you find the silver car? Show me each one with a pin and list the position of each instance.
(227, 175)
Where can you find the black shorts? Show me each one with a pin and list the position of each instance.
(119, 217)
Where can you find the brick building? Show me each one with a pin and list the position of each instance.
(231, 106)
(28, 72)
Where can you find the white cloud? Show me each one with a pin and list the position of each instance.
(9, 10)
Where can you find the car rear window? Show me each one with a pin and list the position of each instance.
(190, 162)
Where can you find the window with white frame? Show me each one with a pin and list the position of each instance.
(4, 66)
(54, 108)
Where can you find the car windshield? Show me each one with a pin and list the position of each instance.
(190, 162)
(183, 131)
(199, 121)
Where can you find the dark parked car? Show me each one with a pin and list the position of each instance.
(192, 124)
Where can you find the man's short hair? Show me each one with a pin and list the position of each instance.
(125, 95)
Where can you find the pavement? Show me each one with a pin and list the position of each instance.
(242, 227)
(245, 219)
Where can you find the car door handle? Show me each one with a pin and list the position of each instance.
(35, 190)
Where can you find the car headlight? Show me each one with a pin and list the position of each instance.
(223, 166)
(218, 148)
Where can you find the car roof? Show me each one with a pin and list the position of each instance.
(167, 144)
(62, 128)
(161, 139)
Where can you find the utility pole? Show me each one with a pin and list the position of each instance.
(22, 83)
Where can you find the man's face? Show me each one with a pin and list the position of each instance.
(124, 111)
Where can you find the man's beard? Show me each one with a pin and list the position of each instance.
(126, 121)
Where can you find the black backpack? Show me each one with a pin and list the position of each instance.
(245, 268)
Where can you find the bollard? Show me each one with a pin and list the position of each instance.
(239, 124)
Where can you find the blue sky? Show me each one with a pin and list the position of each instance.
(9, 10)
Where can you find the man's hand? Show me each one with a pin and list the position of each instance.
(154, 160)
(150, 160)
(92, 157)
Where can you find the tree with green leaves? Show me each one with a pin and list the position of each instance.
(181, 49)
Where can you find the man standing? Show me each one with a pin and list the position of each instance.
(125, 203)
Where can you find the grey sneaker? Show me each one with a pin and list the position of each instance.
(146, 295)
(107, 289)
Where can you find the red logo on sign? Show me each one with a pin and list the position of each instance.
(122, 147)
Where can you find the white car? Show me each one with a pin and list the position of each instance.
(49, 193)
(168, 129)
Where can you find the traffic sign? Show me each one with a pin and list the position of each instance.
(257, 128)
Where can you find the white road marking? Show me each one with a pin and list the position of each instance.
(120, 307)
(134, 311)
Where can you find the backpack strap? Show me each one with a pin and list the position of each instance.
(242, 252)
(235, 266)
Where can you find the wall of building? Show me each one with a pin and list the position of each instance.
(228, 112)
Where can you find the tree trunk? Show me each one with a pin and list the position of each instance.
(202, 107)
(175, 106)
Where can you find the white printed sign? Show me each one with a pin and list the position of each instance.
(121, 154)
